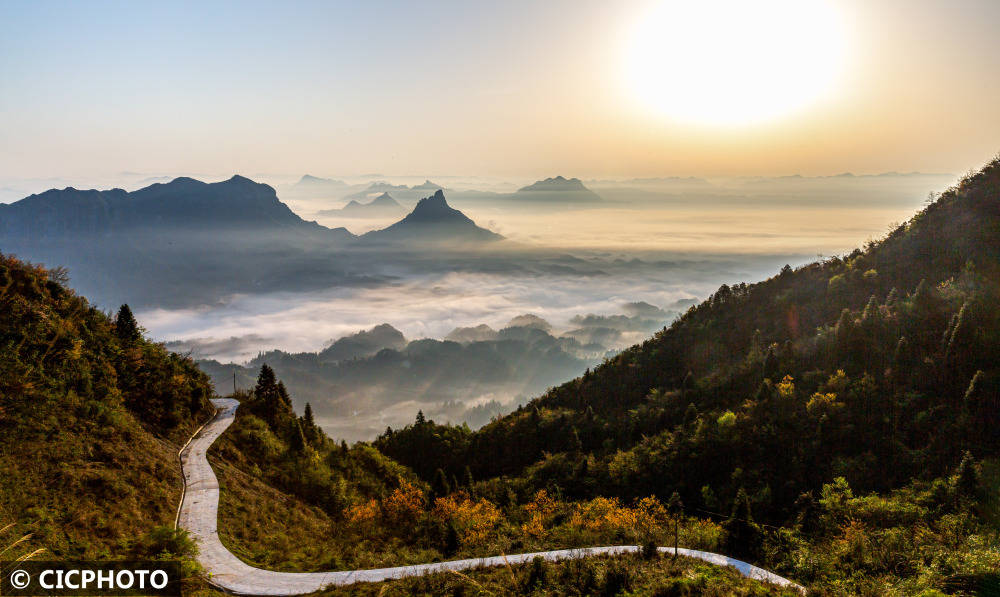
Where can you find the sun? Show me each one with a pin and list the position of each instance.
(734, 62)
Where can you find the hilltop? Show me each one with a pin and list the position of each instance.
(433, 221)
(557, 189)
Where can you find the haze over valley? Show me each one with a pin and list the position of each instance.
(236, 275)
(640, 298)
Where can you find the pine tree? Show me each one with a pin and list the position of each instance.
(575, 445)
(266, 380)
(892, 298)
(297, 442)
(309, 424)
(742, 533)
(468, 480)
(421, 419)
(676, 508)
(845, 326)
(284, 399)
(451, 540)
(269, 395)
(440, 487)
(126, 327)
(771, 364)
(871, 312)
(967, 482)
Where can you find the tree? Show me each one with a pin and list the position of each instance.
(771, 364)
(297, 442)
(451, 541)
(440, 487)
(676, 508)
(284, 398)
(892, 298)
(421, 419)
(742, 533)
(575, 445)
(270, 395)
(126, 327)
(266, 380)
(967, 482)
(981, 406)
(309, 424)
(469, 481)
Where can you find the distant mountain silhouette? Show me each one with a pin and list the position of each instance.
(184, 204)
(427, 186)
(431, 221)
(382, 206)
(557, 189)
(377, 187)
(308, 182)
(363, 344)
(465, 335)
(180, 242)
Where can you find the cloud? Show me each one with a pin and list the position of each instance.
(529, 320)
(200, 348)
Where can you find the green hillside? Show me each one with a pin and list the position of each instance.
(790, 400)
(91, 418)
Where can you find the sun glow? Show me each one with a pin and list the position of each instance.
(733, 62)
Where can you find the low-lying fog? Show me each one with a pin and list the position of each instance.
(660, 242)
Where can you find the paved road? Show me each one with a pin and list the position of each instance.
(199, 516)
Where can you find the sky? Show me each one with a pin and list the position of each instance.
(518, 88)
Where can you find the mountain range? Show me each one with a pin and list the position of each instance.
(184, 203)
(187, 241)
(383, 206)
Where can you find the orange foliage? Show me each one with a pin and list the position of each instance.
(540, 513)
(475, 521)
(609, 515)
(405, 504)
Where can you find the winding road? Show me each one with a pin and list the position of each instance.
(199, 511)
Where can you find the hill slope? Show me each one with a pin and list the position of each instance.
(92, 416)
(90, 422)
(777, 401)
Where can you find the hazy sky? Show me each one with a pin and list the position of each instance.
(514, 88)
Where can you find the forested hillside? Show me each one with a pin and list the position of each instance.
(774, 402)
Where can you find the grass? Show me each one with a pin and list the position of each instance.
(621, 575)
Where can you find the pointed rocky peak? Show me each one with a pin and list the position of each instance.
(436, 221)
(435, 207)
